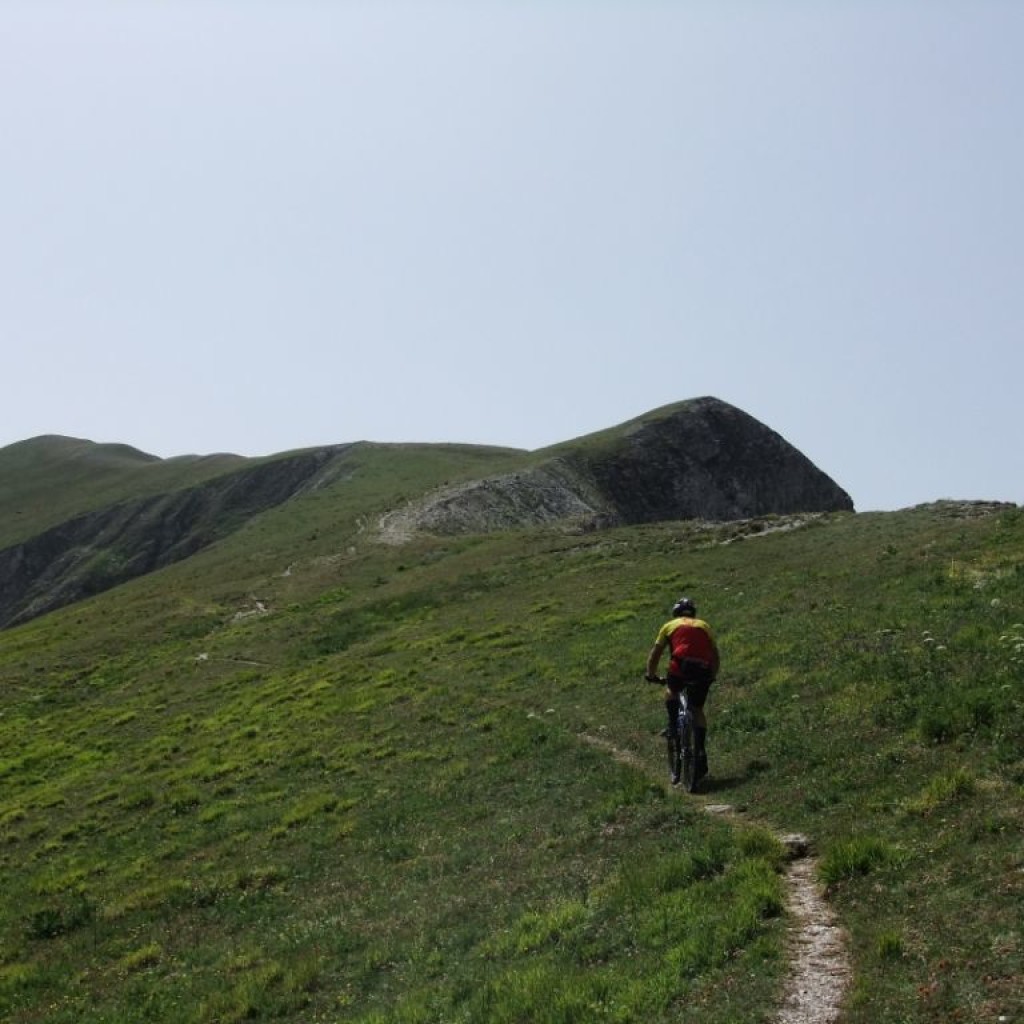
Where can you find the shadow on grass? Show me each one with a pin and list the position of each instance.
(719, 783)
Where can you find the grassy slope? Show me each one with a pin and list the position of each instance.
(47, 480)
(373, 803)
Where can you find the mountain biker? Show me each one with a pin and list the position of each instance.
(693, 666)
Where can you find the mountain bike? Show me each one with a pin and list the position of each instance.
(679, 745)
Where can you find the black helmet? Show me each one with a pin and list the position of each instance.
(684, 606)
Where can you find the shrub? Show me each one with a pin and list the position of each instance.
(853, 857)
(937, 724)
(889, 946)
(59, 919)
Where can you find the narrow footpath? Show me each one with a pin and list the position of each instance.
(819, 969)
(819, 960)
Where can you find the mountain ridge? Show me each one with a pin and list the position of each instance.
(699, 459)
(78, 518)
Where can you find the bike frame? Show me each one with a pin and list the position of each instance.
(681, 746)
(682, 759)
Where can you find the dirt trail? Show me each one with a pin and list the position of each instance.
(819, 964)
(819, 970)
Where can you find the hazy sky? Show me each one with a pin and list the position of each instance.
(250, 226)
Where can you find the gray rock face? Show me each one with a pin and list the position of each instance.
(702, 459)
(98, 550)
(710, 460)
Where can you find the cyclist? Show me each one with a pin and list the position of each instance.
(693, 666)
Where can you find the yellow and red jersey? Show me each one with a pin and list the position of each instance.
(689, 639)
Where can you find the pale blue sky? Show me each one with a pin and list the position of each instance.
(235, 225)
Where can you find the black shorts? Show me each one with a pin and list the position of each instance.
(696, 678)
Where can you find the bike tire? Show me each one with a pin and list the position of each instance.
(688, 754)
(674, 750)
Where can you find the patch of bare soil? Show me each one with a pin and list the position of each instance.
(819, 964)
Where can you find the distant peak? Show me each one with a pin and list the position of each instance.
(60, 446)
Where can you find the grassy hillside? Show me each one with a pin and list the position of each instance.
(110, 545)
(47, 480)
(304, 776)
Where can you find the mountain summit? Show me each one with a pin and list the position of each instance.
(699, 459)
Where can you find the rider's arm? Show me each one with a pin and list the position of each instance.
(654, 657)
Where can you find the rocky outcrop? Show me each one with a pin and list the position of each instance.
(706, 459)
(532, 497)
(98, 550)
(701, 459)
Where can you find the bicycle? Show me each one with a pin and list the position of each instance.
(679, 744)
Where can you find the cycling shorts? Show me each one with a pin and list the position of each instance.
(695, 678)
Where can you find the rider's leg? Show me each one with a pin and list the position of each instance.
(698, 694)
(700, 740)
(700, 732)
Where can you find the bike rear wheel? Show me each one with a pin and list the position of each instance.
(688, 755)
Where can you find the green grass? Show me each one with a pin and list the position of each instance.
(373, 803)
(47, 480)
